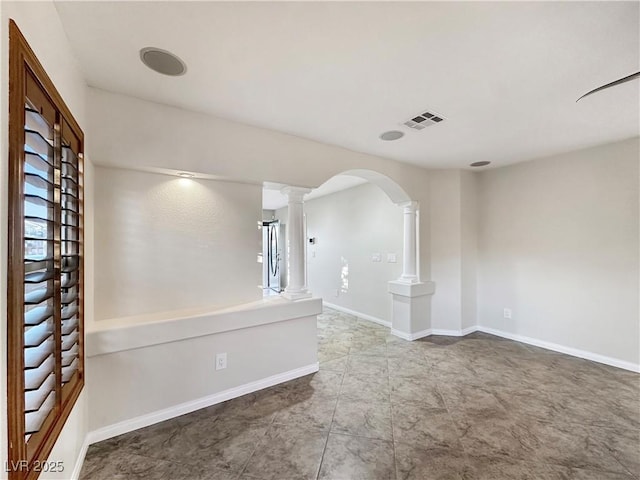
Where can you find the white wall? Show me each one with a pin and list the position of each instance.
(132, 133)
(445, 249)
(453, 243)
(469, 248)
(133, 383)
(40, 25)
(558, 243)
(167, 243)
(350, 226)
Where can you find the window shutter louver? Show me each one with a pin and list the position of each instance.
(40, 174)
(45, 295)
(71, 239)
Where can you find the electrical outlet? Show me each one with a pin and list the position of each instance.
(391, 258)
(376, 257)
(221, 361)
(507, 313)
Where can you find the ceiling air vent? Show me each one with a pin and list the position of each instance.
(423, 120)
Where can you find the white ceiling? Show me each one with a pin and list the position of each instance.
(273, 199)
(504, 74)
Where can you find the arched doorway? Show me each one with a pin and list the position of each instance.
(411, 234)
(410, 310)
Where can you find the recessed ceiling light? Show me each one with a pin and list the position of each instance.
(484, 163)
(186, 175)
(162, 61)
(391, 135)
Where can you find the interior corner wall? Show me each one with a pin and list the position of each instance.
(39, 23)
(165, 243)
(350, 226)
(558, 245)
(469, 248)
(445, 203)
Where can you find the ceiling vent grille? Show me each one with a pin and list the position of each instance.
(424, 120)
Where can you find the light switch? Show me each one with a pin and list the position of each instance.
(376, 257)
(391, 258)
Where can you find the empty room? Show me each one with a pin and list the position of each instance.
(319, 240)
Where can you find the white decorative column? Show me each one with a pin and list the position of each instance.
(409, 252)
(411, 297)
(296, 284)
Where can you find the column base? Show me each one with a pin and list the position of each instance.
(411, 279)
(296, 295)
(411, 308)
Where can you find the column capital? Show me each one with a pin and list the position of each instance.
(295, 194)
(409, 207)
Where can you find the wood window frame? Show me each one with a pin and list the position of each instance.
(26, 460)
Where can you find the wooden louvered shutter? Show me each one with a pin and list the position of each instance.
(40, 191)
(71, 203)
(45, 294)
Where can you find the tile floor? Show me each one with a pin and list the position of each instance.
(477, 407)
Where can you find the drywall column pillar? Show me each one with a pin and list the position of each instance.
(409, 252)
(411, 298)
(296, 284)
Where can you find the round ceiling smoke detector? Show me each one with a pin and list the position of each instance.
(162, 61)
(484, 163)
(391, 135)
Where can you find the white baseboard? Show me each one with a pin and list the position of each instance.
(575, 352)
(77, 468)
(398, 333)
(193, 405)
(466, 331)
(614, 362)
(454, 333)
(411, 336)
(446, 333)
(364, 316)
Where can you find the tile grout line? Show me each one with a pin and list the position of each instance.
(255, 448)
(627, 469)
(457, 429)
(338, 400)
(335, 407)
(393, 437)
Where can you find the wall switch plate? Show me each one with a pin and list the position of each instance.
(507, 313)
(391, 258)
(376, 257)
(221, 361)
(336, 292)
